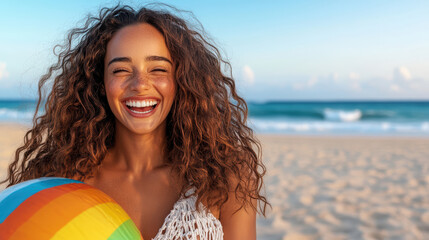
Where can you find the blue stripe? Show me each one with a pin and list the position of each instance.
(13, 196)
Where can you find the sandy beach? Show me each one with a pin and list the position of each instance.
(346, 188)
(12, 135)
(330, 187)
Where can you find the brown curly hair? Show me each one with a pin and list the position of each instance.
(208, 141)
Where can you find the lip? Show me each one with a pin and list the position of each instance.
(140, 115)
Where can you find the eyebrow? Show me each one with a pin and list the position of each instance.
(158, 58)
(148, 58)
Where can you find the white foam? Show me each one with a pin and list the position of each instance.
(361, 127)
(425, 126)
(11, 114)
(342, 115)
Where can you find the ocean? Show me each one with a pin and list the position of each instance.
(341, 117)
(304, 117)
(17, 111)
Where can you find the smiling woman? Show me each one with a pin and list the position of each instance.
(141, 109)
(139, 79)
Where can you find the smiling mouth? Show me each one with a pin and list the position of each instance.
(141, 107)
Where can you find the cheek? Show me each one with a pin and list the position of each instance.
(168, 89)
(112, 92)
(112, 87)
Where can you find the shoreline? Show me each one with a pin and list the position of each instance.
(341, 136)
(27, 126)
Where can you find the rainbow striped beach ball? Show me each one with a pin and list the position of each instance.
(61, 208)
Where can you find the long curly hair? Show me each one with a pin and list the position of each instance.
(208, 141)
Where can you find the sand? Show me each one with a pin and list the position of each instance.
(329, 187)
(346, 188)
(11, 136)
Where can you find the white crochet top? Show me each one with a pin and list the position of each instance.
(185, 223)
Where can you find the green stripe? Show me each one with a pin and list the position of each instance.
(127, 230)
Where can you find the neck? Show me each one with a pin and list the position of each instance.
(137, 154)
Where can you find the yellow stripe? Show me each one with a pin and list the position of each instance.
(94, 223)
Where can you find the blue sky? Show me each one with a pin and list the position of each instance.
(279, 50)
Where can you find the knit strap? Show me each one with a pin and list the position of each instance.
(184, 222)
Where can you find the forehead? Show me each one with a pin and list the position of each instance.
(137, 41)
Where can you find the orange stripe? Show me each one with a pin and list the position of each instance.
(53, 216)
(33, 204)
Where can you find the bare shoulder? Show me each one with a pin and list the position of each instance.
(237, 224)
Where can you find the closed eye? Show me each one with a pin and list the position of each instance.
(120, 70)
(159, 70)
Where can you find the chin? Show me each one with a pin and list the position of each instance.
(143, 129)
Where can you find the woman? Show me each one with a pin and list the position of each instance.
(140, 108)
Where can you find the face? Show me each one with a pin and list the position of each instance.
(139, 78)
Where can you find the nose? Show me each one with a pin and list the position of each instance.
(140, 82)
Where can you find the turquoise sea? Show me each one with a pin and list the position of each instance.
(304, 117)
(341, 117)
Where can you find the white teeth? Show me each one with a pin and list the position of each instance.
(140, 112)
(141, 103)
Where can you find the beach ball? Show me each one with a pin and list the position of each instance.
(61, 208)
